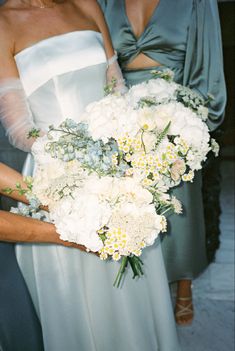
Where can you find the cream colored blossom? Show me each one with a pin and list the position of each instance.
(177, 170)
(177, 205)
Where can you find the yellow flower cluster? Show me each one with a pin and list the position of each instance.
(129, 145)
(153, 165)
(125, 143)
(116, 245)
(188, 177)
(171, 153)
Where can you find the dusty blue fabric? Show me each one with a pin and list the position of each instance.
(183, 35)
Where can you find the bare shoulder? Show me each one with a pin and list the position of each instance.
(6, 32)
(7, 63)
(92, 10)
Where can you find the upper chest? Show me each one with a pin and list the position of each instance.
(167, 23)
(139, 14)
(33, 25)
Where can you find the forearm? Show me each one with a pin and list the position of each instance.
(15, 228)
(8, 179)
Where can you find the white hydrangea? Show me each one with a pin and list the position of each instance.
(159, 89)
(78, 220)
(107, 118)
(97, 203)
(196, 133)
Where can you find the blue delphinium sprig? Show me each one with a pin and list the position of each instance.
(75, 142)
(32, 210)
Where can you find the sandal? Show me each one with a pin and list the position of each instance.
(183, 311)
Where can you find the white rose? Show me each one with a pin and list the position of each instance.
(146, 119)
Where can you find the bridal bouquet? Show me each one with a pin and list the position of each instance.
(106, 178)
(92, 201)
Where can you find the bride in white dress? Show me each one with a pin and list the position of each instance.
(53, 62)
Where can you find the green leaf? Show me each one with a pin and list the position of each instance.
(163, 134)
(8, 191)
(33, 133)
(109, 88)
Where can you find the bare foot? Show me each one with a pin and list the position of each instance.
(184, 304)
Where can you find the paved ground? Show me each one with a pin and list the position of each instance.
(213, 326)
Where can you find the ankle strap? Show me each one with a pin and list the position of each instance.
(184, 298)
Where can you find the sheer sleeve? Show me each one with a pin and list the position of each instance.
(204, 61)
(15, 114)
(114, 73)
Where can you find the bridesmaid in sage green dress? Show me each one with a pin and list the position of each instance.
(183, 35)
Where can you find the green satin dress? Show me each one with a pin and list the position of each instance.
(183, 35)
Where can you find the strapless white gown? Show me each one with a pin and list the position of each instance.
(72, 291)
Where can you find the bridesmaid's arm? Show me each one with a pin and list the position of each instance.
(103, 4)
(114, 76)
(114, 73)
(203, 69)
(93, 10)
